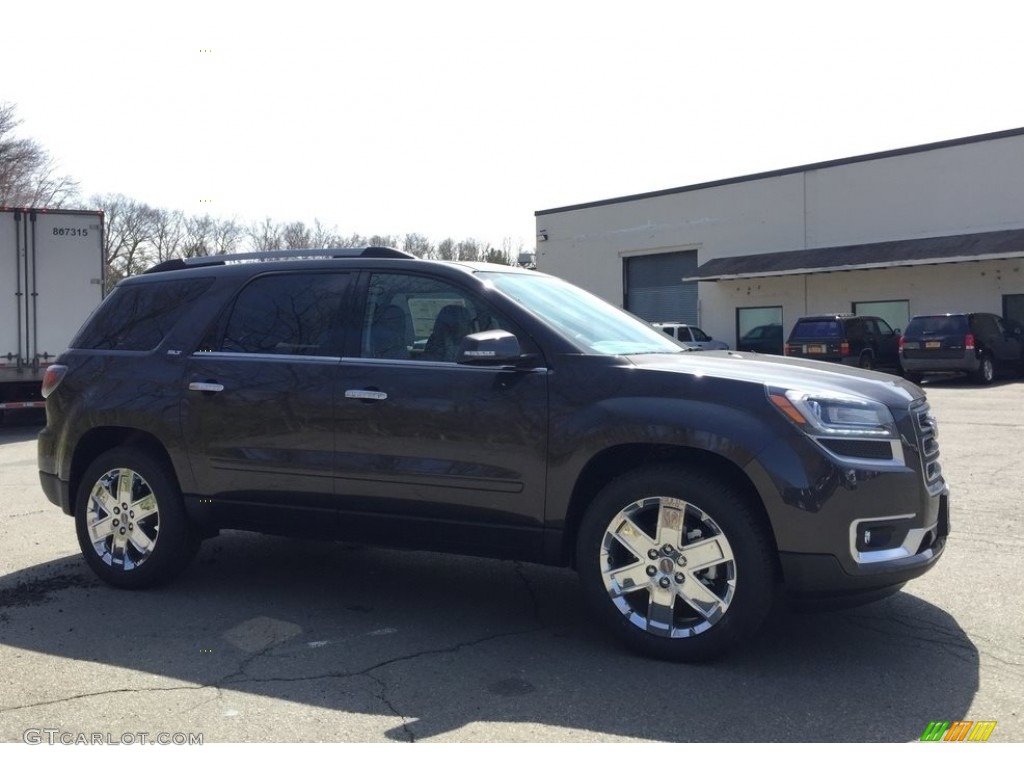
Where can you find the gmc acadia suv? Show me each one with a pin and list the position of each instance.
(370, 396)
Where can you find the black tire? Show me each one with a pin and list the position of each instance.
(913, 377)
(867, 361)
(145, 502)
(716, 520)
(986, 372)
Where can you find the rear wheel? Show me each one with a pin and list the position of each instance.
(131, 521)
(913, 377)
(867, 361)
(986, 372)
(675, 563)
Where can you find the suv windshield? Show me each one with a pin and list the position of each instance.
(593, 324)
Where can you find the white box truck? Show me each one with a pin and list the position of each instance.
(51, 278)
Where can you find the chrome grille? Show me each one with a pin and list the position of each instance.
(927, 432)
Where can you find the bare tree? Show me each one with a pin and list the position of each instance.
(28, 176)
(297, 235)
(387, 241)
(200, 236)
(511, 248)
(418, 245)
(129, 233)
(226, 235)
(470, 250)
(168, 235)
(446, 250)
(321, 237)
(265, 235)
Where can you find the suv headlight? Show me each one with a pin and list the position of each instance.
(828, 414)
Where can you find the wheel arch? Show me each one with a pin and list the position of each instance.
(102, 439)
(620, 459)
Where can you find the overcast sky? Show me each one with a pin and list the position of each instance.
(460, 119)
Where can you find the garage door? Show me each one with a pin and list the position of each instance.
(653, 287)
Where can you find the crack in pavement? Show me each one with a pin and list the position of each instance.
(381, 664)
(383, 696)
(93, 694)
(951, 644)
(239, 677)
(529, 590)
(242, 672)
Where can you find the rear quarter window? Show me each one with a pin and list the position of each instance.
(138, 317)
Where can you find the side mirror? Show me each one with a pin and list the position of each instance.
(897, 331)
(495, 347)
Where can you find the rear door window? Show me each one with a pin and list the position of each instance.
(288, 314)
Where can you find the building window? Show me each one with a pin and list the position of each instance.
(1013, 308)
(759, 329)
(895, 313)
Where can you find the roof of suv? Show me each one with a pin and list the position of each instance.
(370, 252)
(312, 258)
(832, 316)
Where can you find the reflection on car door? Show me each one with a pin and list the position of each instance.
(448, 453)
(275, 354)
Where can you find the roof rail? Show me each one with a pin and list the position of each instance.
(369, 252)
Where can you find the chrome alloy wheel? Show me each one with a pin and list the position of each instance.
(122, 519)
(668, 567)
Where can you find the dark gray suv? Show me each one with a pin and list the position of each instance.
(370, 396)
(980, 344)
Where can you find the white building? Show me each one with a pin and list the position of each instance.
(926, 229)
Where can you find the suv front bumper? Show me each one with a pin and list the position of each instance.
(826, 578)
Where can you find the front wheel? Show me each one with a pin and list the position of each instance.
(676, 563)
(131, 521)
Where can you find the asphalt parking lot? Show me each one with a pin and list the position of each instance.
(266, 639)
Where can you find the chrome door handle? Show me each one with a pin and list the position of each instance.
(366, 394)
(205, 386)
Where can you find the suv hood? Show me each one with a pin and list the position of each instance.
(786, 372)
